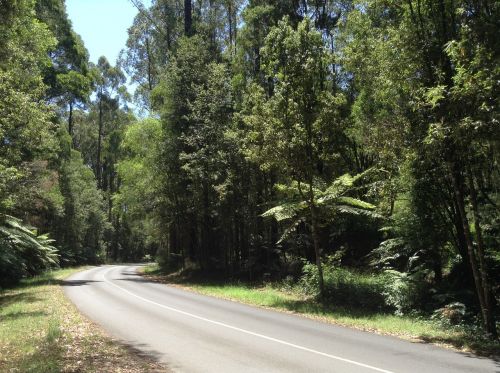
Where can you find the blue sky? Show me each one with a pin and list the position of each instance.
(102, 24)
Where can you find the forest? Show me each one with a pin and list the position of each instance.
(266, 140)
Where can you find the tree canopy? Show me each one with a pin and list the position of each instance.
(261, 134)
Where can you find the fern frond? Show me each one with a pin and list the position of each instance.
(285, 211)
(354, 202)
(290, 229)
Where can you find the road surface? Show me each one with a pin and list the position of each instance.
(196, 333)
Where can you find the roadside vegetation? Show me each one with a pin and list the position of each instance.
(361, 301)
(344, 150)
(42, 332)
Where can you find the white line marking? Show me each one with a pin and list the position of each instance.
(246, 331)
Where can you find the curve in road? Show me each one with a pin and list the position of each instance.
(195, 333)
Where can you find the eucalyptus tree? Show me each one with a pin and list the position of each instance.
(110, 93)
(206, 161)
(151, 39)
(27, 134)
(28, 141)
(436, 99)
(292, 126)
(67, 77)
(136, 202)
(173, 97)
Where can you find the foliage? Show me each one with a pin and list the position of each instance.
(24, 252)
(264, 109)
(403, 290)
(346, 288)
(80, 229)
(331, 202)
(26, 133)
(136, 202)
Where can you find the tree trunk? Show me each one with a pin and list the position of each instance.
(150, 79)
(188, 18)
(230, 20)
(489, 321)
(99, 145)
(315, 237)
(70, 120)
(205, 230)
(317, 250)
(470, 247)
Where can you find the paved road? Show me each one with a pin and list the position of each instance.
(195, 333)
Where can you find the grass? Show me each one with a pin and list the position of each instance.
(41, 331)
(275, 297)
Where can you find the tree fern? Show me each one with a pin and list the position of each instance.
(331, 199)
(22, 251)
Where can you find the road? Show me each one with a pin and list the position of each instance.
(195, 333)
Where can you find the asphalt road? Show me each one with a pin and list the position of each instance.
(196, 333)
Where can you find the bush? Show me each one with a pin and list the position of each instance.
(450, 314)
(403, 291)
(387, 291)
(22, 251)
(169, 262)
(345, 287)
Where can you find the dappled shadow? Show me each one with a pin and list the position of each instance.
(45, 358)
(129, 273)
(138, 353)
(322, 309)
(460, 340)
(479, 347)
(19, 315)
(135, 279)
(481, 354)
(76, 282)
(142, 349)
(38, 281)
(53, 281)
(8, 299)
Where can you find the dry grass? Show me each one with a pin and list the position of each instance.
(41, 331)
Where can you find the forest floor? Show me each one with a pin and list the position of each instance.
(41, 331)
(416, 328)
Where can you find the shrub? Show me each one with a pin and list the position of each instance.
(22, 251)
(452, 314)
(345, 287)
(403, 291)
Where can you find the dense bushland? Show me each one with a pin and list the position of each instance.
(271, 133)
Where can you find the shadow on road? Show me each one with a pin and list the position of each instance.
(494, 358)
(76, 282)
(134, 279)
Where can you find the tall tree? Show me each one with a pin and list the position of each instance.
(110, 90)
(188, 18)
(295, 119)
(428, 78)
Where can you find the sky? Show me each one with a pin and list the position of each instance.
(102, 24)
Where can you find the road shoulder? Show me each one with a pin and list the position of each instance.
(42, 331)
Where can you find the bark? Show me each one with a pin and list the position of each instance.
(99, 146)
(315, 237)
(188, 18)
(205, 244)
(317, 250)
(230, 21)
(489, 321)
(150, 78)
(70, 119)
(470, 247)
